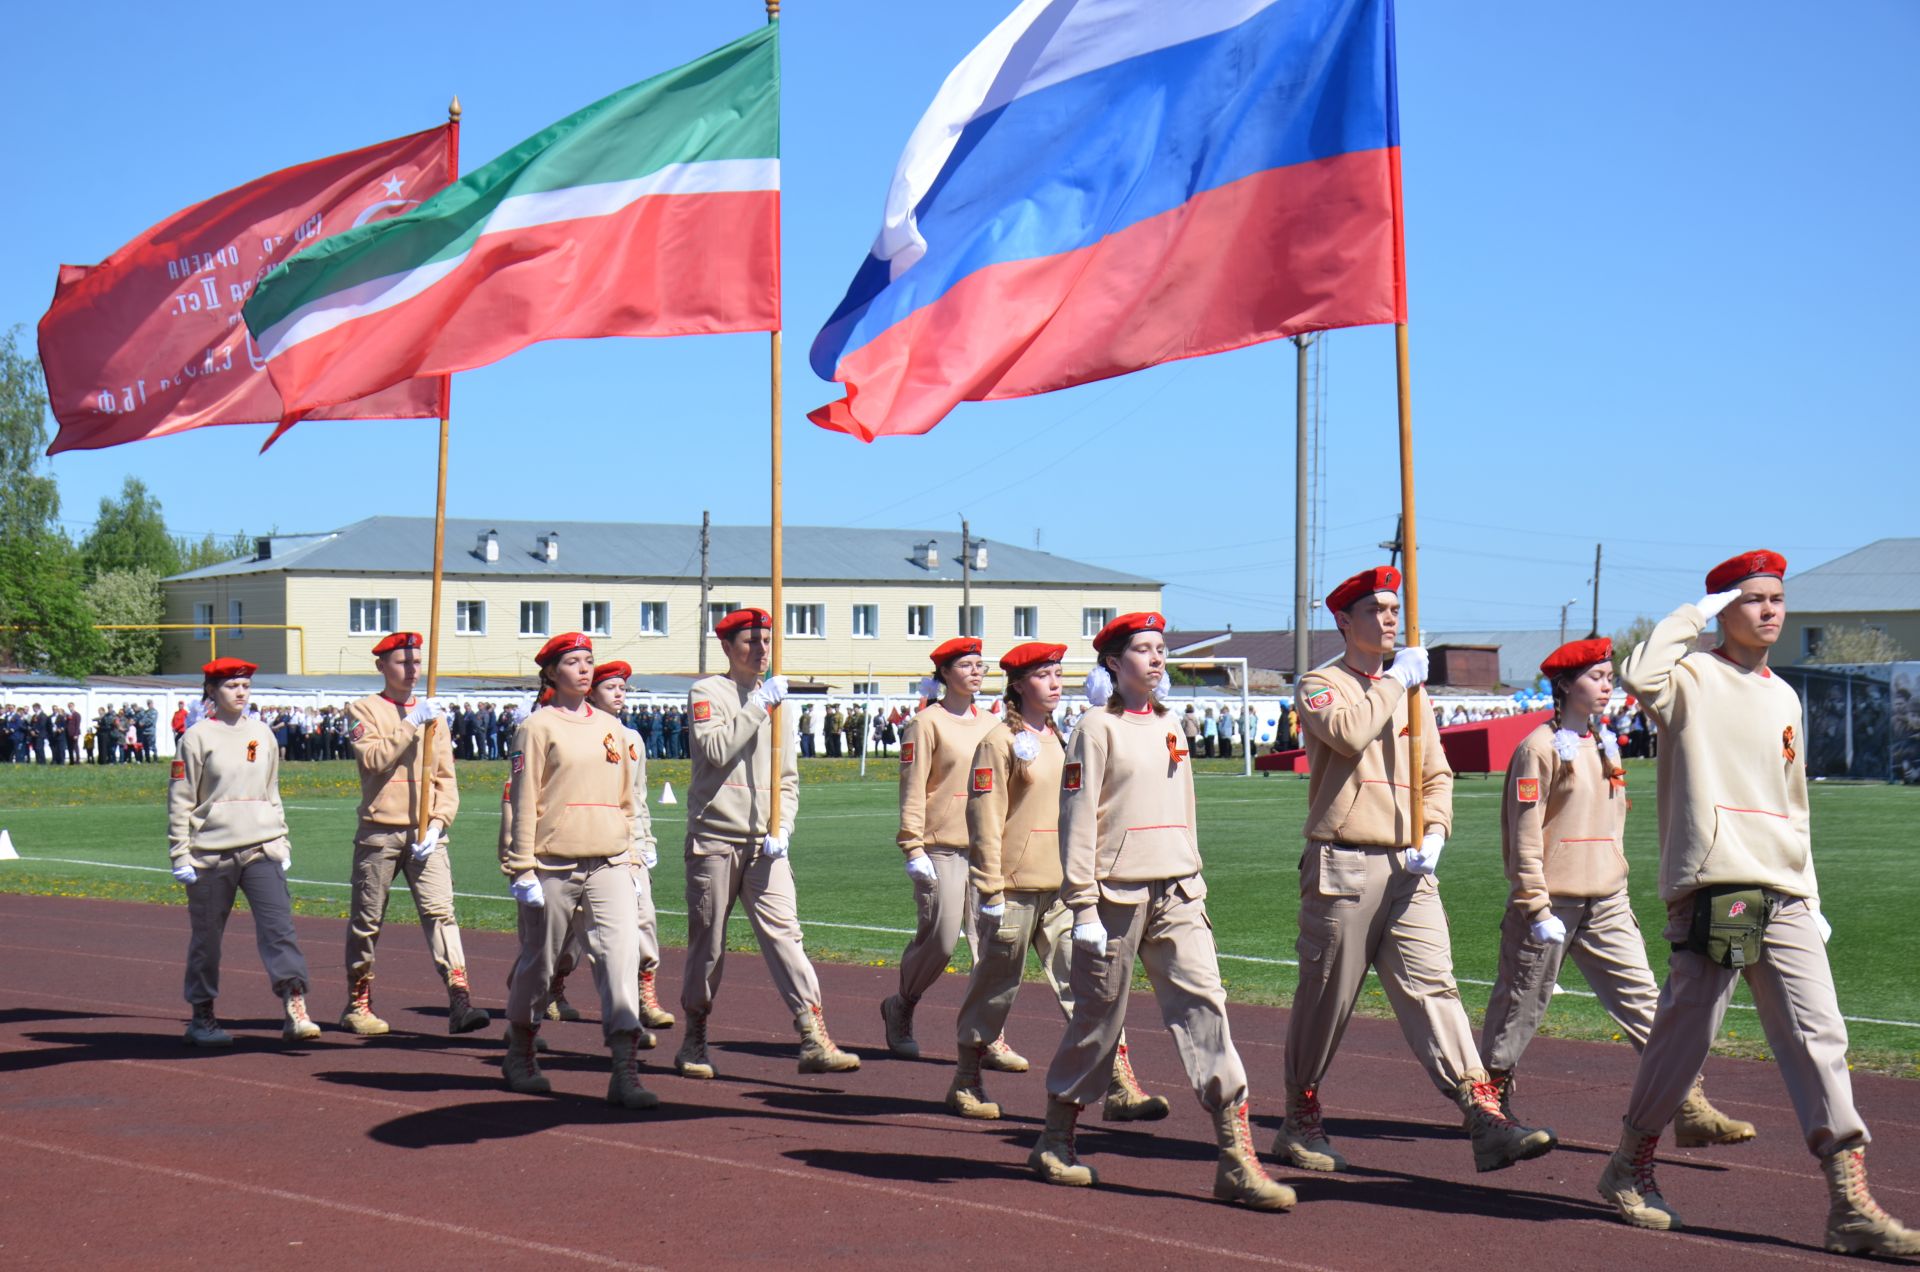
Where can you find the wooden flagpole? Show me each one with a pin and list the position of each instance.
(1410, 574)
(424, 790)
(777, 609)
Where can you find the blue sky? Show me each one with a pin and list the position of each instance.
(1660, 258)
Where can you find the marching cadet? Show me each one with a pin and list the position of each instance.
(936, 752)
(570, 849)
(1013, 826)
(385, 734)
(1368, 896)
(1563, 830)
(227, 833)
(1736, 872)
(610, 695)
(731, 856)
(1130, 852)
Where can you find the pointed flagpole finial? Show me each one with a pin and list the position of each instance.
(773, 10)
(453, 109)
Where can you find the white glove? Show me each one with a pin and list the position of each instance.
(1410, 666)
(527, 892)
(769, 693)
(1424, 861)
(286, 864)
(994, 911)
(1550, 930)
(423, 848)
(185, 873)
(920, 870)
(650, 856)
(424, 710)
(1711, 606)
(639, 886)
(1025, 748)
(1819, 920)
(774, 846)
(1091, 936)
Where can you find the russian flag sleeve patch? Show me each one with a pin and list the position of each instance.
(1527, 790)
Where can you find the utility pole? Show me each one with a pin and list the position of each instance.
(1596, 592)
(966, 580)
(1394, 545)
(1571, 602)
(706, 584)
(1302, 645)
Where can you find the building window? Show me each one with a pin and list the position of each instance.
(807, 620)
(717, 610)
(1092, 620)
(866, 621)
(533, 618)
(470, 618)
(653, 618)
(367, 617)
(866, 688)
(1026, 622)
(234, 619)
(1810, 639)
(971, 620)
(596, 617)
(202, 620)
(920, 622)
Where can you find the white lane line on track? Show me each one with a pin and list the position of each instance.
(813, 1178)
(893, 931)
(307, 1199)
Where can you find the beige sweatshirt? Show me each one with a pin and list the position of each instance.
(1563, 825)
(225, 792)
(387, 750)
(936, 751)
(1126, 808)
(1013, 814)
(572, 791)
(731, 792)
(1356, 743)
(1732, 766)
(642, 839)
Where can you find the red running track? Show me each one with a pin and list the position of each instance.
(123, 1146)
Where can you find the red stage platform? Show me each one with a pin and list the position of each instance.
(1481, 747)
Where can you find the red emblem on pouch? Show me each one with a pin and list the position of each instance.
(1527, 790)
(253, 751)
(179, 770)
(1786, 743)
(1737, 909)
(982, 780)
(1070, 777)
(906, 752)
(702, 712)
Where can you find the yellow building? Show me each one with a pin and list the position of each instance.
(855, 599)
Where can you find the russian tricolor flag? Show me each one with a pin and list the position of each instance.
(1103, 185)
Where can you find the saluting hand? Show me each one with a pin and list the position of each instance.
(1712, 605)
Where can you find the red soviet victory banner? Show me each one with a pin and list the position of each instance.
(150, 341)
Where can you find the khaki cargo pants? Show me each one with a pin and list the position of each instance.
(380, 853)
(598, 895)
(720, 874)
(1604, 941)
(210, 900)
(942, 909)
(1360, 907)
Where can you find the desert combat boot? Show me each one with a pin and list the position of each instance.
(1498, 1140)
(1855, 1222)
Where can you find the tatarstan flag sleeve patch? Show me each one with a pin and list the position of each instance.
(1320, 700)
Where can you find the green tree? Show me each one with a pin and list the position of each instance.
(127, 597)
(45, 623)
(130, 534)
(212, 550)
(29, 500)
(1855, 643)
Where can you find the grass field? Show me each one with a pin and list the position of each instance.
(102, 832)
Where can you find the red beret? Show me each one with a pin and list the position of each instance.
(1127, 626)
(1745, 566)
(228, 669)
(398, 640)
(1033, 654)
(1381, 578)
(742, 620)
(560, 646)
(611, 670)
(958, 647)
(1577, 655)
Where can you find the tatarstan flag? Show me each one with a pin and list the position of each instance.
(653, 212)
